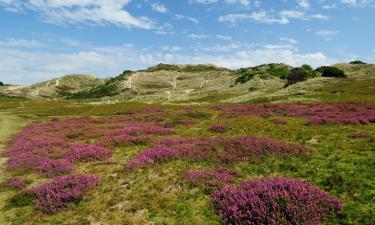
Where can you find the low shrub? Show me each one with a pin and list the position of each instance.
(86, 153)
(357, 62)
(57, 194)
(275, 201)
(330, 71)
(16, 183)
(216, 149)
(300, 74)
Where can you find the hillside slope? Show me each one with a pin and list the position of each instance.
(165, 83)
(57, 87)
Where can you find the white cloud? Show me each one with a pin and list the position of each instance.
(25, 66)
(205, 36)
(304, 3)
(84, 11)
(198, 36)
(327, 34)
(223, 37)
(349, 2)
(205, 2)
(318, 16)
(182, 17)
(244, 3)
(157, 7)
(20, 43)
(282, 17)
(289, 40)
(329, 6)
(358, 3)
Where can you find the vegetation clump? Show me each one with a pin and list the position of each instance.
(318, 113)
(216, 149)
(1, 83)
(330, 71)
(357, 62)
(16, 183)
(275, 201)
(265, 71)
(300, 74)
(57, 194)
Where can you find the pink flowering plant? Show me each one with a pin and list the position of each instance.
(216, 149)
(57, 194)
(275, 201)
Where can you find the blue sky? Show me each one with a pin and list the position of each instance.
(41, 39)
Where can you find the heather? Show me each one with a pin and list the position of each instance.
(174, 160)
(58, 193)
(215, 149)
(316, 114)
(275, 201)
(16, 183)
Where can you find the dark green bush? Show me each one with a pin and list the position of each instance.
(357, 62)
(330, 71)
(1, 83)
(300, 74)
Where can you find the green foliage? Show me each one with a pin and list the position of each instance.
(279, 70)
(244, 75)
(330, 71)
(358, 62)
(265, 71)
(1, 83)
(20, 199)
(300, 74)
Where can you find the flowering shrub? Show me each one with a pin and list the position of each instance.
(217, 128)
(318, 113)
(17, 183)
(216, 149)
(151, 157)
(40, 164)
(275, 201)
(57, 194)
(211, 179)
(85, 153)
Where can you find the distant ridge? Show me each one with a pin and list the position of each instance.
(169, 83)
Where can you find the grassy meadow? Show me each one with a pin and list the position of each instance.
(337, 163)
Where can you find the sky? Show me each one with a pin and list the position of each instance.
(42, 39)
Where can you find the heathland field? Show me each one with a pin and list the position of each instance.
(68, 162)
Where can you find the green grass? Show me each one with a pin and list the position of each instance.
(160, 195)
